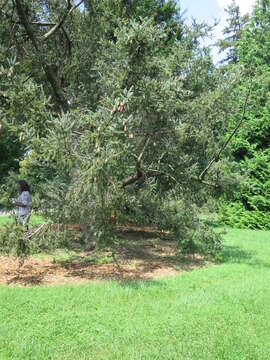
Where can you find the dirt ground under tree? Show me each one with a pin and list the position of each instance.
(139, 256)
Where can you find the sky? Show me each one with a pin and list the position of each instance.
(209, 10)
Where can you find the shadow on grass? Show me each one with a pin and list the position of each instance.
(234, 254)
(237, 255)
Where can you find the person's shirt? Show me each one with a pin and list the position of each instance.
(26, 199)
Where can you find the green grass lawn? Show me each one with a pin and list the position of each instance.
(219, 312)
(34, 220)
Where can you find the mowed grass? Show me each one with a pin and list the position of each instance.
(219, 312)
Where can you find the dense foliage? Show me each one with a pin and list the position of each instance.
(120, 109)
(250, 206)
(11, 152)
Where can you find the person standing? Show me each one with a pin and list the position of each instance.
(24, 202)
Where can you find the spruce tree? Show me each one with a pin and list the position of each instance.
(232, 33)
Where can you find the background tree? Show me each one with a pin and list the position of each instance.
(250, 148)
(232, 33)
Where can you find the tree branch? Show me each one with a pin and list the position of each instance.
(208, 183)
(144, 175)
(24, 21)
(143, 150)
(28, 78)
(139, 173)
(47, 69)
(132, 179)
(68, 40)
(57, 26)
(217, 156)
(41, 23)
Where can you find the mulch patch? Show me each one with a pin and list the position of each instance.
(141, 257)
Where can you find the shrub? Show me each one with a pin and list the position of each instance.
(235, 215)
(191, 234)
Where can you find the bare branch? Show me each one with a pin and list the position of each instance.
(37, 231)
(143, 150)
(61, 22)
(28, 78)
(139, 173)
(217, 156)
(41, 23)
(134, 178)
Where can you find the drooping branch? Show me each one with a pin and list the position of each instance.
(235, 130)
(140, 174)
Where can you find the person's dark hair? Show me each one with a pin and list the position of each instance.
(24, 186)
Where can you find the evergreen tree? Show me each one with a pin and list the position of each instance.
(232, 33)
(251, 146)
(119, 114)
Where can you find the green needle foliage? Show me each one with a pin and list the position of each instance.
(120, 109)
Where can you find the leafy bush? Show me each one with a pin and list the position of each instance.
(191, 234)
(251, 203)
(14, 241)
(235, 215)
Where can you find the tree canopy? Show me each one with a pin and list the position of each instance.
(120, 109)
